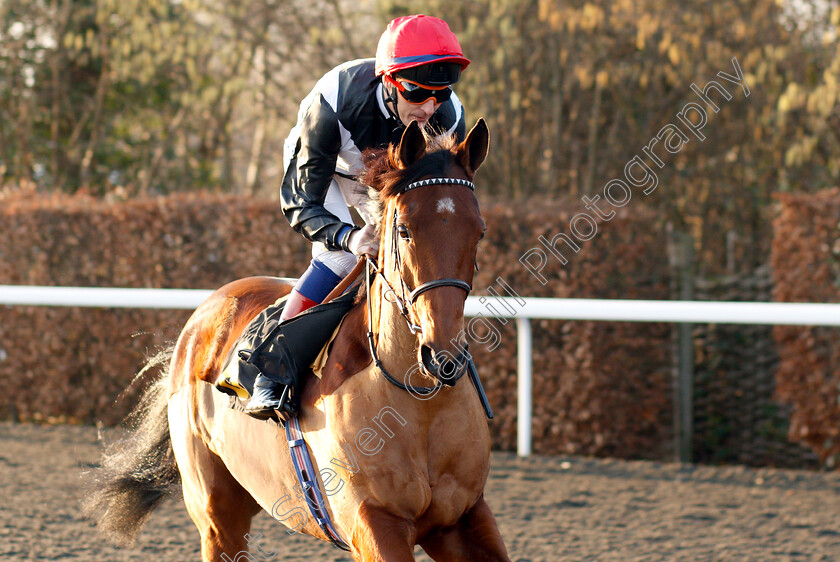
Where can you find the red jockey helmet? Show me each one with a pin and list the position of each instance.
(422, 49)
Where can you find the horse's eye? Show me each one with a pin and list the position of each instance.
(483, 232)
(402, 230)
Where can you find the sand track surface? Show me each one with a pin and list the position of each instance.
(548, 508)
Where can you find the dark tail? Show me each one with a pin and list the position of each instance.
(138, 471)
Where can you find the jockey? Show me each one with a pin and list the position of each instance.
(360, 104)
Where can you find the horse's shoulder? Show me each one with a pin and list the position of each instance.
(348, 355)
(215, 325)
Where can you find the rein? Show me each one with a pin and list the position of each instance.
(413, 295)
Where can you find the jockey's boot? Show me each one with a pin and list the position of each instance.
(272, 398)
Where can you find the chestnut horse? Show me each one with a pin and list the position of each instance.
(398, 467)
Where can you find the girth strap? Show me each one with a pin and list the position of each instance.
(308, 479)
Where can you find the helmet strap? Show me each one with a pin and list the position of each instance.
(389, 90)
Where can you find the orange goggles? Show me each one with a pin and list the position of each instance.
(418, 94)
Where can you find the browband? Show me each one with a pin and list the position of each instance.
(433, 181)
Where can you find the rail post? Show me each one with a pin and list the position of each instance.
(682, 260)
(524, 350)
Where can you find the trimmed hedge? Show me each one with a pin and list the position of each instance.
(70, 364)
(806, 264)
(599, 388)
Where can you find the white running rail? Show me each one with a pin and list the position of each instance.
(692, 312)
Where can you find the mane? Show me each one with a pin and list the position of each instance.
(385, 173)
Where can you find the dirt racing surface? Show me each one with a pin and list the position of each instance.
(548, 508)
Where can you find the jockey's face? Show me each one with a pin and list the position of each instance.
(420, 112)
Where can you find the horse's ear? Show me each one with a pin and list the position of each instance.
(473, 150)
(412, 145)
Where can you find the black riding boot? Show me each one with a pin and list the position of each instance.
(270, 400)
(288, 354)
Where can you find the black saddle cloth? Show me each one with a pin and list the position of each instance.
(283, 352)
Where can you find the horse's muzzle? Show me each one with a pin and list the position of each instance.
(443, 366)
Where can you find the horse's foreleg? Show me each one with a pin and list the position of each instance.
(474, 537)
(218, 505)
(381, 536)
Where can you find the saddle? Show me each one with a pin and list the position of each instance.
(283, 351)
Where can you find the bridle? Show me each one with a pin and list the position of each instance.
(403, 302)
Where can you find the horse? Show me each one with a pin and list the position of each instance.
(399, 441)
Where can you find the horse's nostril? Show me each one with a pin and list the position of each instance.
(442, 365)
(429, 360)
(447, 366)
